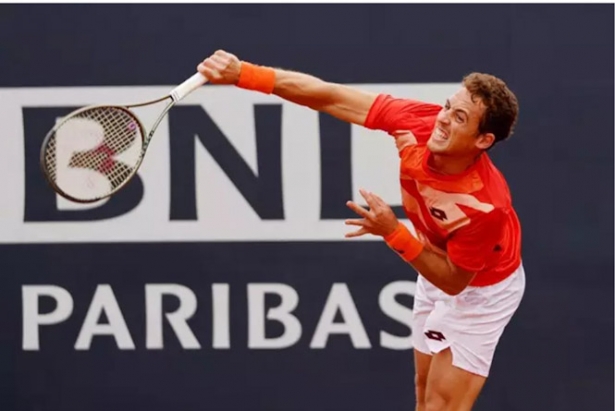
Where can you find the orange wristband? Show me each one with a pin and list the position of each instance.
(404, 243)
(257, 78)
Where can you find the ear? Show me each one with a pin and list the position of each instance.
(484, 141)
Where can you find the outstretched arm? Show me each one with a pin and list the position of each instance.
(343, 102)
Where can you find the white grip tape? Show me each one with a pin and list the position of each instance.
(188, 87)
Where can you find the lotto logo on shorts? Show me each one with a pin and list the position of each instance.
(435, 335)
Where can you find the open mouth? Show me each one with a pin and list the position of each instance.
(440, 135)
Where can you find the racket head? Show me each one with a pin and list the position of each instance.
(92, 152)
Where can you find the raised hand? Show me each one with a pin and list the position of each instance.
(221, 68)
(378, 220)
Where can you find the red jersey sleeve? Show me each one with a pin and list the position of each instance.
(393, 114)
(477, 245)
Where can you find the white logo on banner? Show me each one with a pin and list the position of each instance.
(223, 213)
(218, 336)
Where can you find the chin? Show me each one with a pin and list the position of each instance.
(436, 147)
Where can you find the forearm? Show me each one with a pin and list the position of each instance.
(439, 271)
(435, 267)
(343, 102)
(303, 89)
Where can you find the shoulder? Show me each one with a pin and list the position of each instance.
(392, 112)
(495, 187)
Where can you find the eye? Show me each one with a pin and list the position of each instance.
(459, 118)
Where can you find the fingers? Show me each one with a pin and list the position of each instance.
(376, 204)
(363, 223)
(379, 201)
(211, 74)
(213, 63)
(224, 54)
(368, 197)
(221, 68)
(222, 61)
(358, 209)
(378, 220)
(358, 233)
(360, 222)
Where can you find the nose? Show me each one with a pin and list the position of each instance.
(443, 118)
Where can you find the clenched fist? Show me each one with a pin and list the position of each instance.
(221, 68)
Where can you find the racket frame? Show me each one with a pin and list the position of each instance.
(146, 137)
(175, 95)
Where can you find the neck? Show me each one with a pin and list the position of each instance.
(450, 165)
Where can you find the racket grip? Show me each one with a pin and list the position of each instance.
(188, 87)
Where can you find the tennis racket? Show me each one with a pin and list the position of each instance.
(94, 151)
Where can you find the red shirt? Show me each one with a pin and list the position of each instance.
(468, 216)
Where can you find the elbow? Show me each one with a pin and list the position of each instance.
(454, 290)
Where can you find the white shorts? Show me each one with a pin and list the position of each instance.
(470, 323)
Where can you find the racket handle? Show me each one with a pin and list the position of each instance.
(188, 87)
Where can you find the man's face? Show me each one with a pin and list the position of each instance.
(456, 130)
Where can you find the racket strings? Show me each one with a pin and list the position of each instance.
(114, 131)
(120, 133)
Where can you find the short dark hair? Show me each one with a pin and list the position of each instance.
(501, 106)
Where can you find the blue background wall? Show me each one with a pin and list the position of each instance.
(557, 353)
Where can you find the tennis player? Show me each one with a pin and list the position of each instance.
(467, 248)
